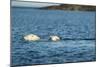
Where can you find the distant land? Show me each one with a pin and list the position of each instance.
(53, 6)
(71, 7)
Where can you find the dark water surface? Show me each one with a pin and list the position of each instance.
(66, 24)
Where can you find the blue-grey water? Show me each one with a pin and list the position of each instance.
(76, 29)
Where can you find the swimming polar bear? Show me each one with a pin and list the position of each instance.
(31, 37)
(55, 38)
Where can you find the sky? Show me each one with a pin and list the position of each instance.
(31, 4)
(82, 2)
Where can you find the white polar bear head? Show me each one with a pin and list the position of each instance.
(55, 38)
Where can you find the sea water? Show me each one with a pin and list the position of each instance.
(76, 29)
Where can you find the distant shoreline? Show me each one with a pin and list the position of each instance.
(72, 7)
(53, 6)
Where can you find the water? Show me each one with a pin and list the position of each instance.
(75, 25)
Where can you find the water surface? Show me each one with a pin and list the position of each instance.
(78, 26)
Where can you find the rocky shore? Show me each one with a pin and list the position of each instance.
(72, 7)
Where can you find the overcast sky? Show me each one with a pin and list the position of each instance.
(31, 4)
